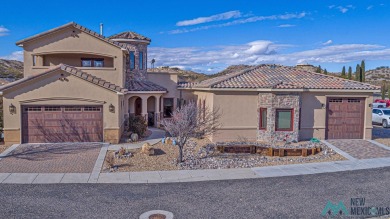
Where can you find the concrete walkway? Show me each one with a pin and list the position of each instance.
(154, 138)
(192, 175)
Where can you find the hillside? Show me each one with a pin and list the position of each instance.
(376, 76)
(11, 69)
(184, 75)
(230, 69)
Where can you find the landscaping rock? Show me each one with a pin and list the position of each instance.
(147, 149)
(134, 137)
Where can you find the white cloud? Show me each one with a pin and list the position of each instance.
(216, 58)
(218, 17)
(327, 42)
(17, 55)
(3, 31)
(342, 9)
(250, 19)
(370, 7)
(286, 25)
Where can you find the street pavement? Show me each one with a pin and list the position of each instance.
(302, 196)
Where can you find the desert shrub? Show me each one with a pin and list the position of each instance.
(137, 124)
(110, 159)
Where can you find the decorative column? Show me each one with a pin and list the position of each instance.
(131, 106)
(145, 108)
(157, 112)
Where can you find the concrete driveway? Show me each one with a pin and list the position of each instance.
(51, 158)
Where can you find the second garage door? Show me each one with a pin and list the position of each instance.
(62, 124)
(345, 118)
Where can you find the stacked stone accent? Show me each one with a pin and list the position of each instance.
(136, 73)
(278, 101)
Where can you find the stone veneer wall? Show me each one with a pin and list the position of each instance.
(272, 102)
(136, 73)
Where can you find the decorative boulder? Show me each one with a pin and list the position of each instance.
(134, 137)
(147, 149)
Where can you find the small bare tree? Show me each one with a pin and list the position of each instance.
(192, 121)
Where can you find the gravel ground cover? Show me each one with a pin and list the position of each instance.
(195, 158)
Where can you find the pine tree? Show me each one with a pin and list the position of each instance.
(325, 71)
(343, 72)
(357, 73)
(363, 71)
(319, 70)
(350, 73)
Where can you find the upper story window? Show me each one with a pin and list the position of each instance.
(98, 63)
(132, 61)
(141, 60)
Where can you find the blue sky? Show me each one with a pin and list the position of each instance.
(208, 36)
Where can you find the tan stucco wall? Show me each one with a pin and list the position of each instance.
(313, 122)
(48, 90)
(239, 114)
(63, 41)
(167, 80)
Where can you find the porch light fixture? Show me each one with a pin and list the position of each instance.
(323, 105)
(12, 109)
(370, 105)
(111, 108)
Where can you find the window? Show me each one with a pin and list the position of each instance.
(141, 60)
(72, 109)
(132, 61)
(263, 119)
(375, 111)
(33, 108)
(167, 107)
(98, 63)
(52, 108)
(284, 119)
(34, 60)
(86, 63)
(92, 108)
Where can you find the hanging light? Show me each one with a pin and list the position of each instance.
(12, 109)
(111, 108)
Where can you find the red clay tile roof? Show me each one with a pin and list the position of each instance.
(280, 77)
(137, 85)
(129, 35)
(74, 71)
(77, 26)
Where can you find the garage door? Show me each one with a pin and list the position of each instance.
(62, 124)
(345, 118)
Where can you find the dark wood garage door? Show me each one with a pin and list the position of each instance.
(345, 118)
(62, 124)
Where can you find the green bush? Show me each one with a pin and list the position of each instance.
(137, 124)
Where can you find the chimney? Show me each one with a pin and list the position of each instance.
(101, 29)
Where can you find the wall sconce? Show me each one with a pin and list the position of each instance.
(323, 105)
(111, 108)
(12, 109)
(370, 105)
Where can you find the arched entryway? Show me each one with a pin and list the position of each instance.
(138, 106)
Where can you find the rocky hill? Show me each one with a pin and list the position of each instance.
(11, 69)
(378, 75)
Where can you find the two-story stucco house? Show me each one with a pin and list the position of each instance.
(81, 86)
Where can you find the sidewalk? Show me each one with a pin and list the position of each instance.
(194, 175)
